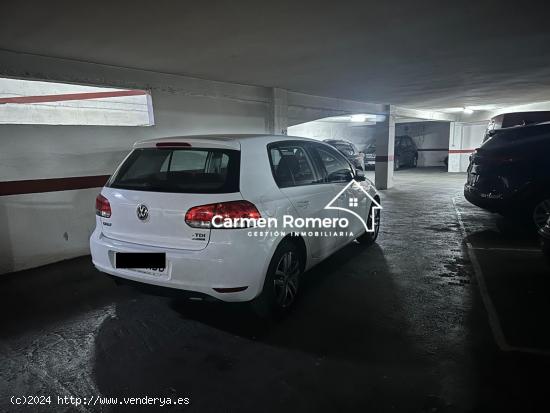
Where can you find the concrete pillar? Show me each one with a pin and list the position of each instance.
(455, 146)
(385, 143)
(278, 114)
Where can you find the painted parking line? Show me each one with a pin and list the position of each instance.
(494, 321)
(504, 249)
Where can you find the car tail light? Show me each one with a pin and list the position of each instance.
(201, 216)
(102, 207)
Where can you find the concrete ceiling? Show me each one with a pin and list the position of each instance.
(420, 54)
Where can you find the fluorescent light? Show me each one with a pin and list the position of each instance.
(483, 107)
(358, 118)
(468, 111)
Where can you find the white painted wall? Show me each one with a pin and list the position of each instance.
(465, 137)
(427, 136)
(321, 130)
(472, 138)
(113, 111)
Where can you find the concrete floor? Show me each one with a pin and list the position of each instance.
(401, 326)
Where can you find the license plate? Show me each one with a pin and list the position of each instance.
(144, 261)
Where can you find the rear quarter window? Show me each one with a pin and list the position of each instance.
(522, 134)
(195, 170)
(291, 165)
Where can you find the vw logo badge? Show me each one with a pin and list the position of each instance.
(142, 212)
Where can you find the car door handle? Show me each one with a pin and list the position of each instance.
(302, 204)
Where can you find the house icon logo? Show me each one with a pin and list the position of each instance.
(353, 202)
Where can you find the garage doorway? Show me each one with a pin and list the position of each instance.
(420, 145)
(430, 139)
(352, 134)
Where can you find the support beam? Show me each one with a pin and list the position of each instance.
(455, 146)
(421, 114)
(306, 108)
(278, 114)
(385, 143)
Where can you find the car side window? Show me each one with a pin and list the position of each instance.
(337, 168)
(291, 165)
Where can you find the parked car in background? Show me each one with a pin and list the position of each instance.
(350, 151)
(544, 233)
(405, 153)
(510, 173)
(160, 203)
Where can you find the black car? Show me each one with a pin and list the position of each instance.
(349, 150)
(405, 153)
(510, 173)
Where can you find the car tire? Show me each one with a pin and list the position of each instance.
(540, 212)
(369, 238)
(282, 281)
(545, 247)
(396, 164)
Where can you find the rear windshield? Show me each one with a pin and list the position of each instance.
(189, 170)
(519, 135)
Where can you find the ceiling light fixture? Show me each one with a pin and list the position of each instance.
(358, 118)
(468, 111)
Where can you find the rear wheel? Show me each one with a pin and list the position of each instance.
(541, 213)
(369, 237)
(282, 281)
(396, 163)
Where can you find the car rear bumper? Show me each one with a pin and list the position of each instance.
(224, 264)
(488, 201)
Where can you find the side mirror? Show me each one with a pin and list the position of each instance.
(359, 175)
(343, 175)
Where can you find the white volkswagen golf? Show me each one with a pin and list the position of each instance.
(234, 217)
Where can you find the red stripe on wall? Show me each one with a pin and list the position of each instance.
(461, 150)
(384, 158)
(32, 186)
(71, 96)
(433, 150)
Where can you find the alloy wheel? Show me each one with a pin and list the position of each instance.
(376, 221)
(285, 281)
(541, 213)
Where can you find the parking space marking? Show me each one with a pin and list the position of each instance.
(494, 321)
(504, 249)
